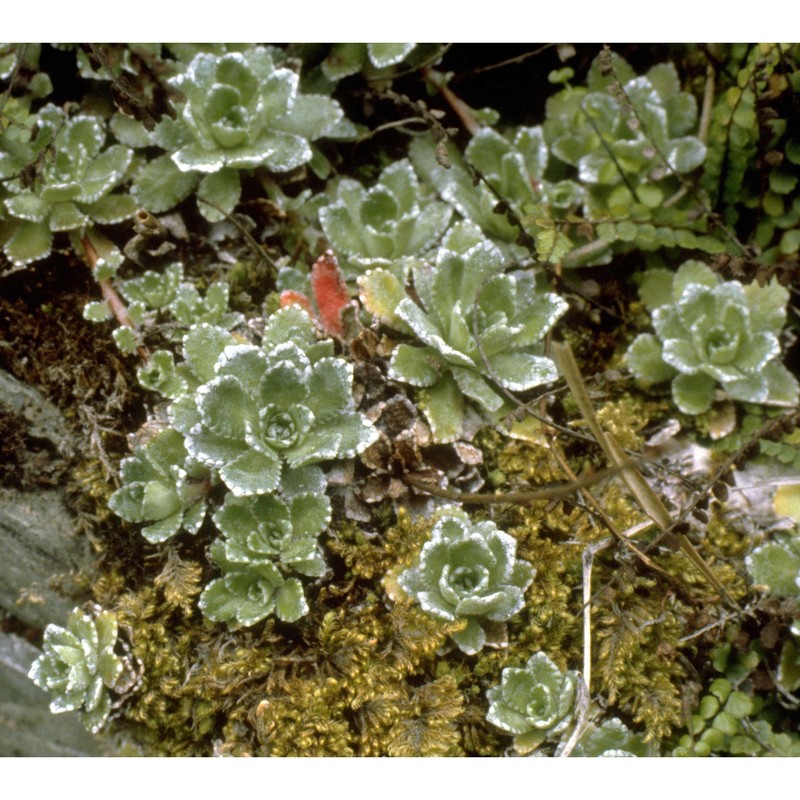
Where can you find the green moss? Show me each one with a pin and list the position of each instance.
(637, 644)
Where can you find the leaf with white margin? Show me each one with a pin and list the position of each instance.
(426, 330)
(290, 601)
(520, 371)
(225, 408)
(310, 514)
(417, 366)
(472, 639)
(252, 472)
(202, 346)
(443, 406)
(477, 388)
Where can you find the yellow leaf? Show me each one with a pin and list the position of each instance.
(787, 501)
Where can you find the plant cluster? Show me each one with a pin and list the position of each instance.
(468, 571)
(73, 188)
(605, 172)
(480, 327)
(241, 112)
(79, 667)
(349, 471)
(709, 333)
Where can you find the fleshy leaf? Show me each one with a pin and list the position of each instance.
(645, 360)
(418, 366)
(252, 472)
(386, 55)
(443, 406)
(29, 242)
(160, 185)
(776, 565)
(693, 394)
(290, 601)
(381, 293)
(222, 188)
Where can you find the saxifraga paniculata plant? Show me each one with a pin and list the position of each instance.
(514, 165)
(629, 140)
(711, 333)
(535, 703)
(375, 227)
(74, 190)
(775, 565)
(163, 487)
(265, 539)
(240, 112)
(273, 411)
(464, 289)
(79, 666)
(468, 571)
(261, 419)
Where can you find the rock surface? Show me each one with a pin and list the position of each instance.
(27, 728)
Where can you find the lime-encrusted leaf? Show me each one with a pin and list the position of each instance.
(79, 665)
(534, 703)
(418, 366)
(456, 576)
(251, 472)
(160, 185)
(443, 406)
(710, 334)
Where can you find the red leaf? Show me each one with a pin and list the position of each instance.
(330, 292)
(292, 298)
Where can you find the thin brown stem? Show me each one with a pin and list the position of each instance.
(516, 498)
(238, 225)
(460, 108)
(112, 299)
(506, 63)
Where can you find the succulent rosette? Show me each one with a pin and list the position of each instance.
(162, 487)
(249, 591)
(240, 112)
(513, 166)
(611, 739)
(468, 571)
(712, 334)
(374, 227)
(534, 702)
(274, 405)
(79, 666)
(462, 293)
(243, 112)
(74, 191)
(265, 527)
(612, 150)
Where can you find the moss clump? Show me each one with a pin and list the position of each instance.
(636, 647)
(303, 716)
(368, 556)
(624, 419)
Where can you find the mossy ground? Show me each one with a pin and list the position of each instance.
(366, 673)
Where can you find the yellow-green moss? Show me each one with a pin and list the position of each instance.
(367, 673)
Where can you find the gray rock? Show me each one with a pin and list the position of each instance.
(37, 538)
(39, 548)
(27, 728)
(40, 417)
